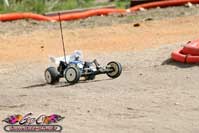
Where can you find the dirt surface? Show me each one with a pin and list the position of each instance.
(153, 94)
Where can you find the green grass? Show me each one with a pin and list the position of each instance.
(122, 3)
(42, 6)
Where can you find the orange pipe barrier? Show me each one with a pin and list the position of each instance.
(16, 16)
(96, 12)
(162, 4)
(81, 15)
(192, 47)
(72, 16)
(188, 54)
(178, 56)
(184, 58)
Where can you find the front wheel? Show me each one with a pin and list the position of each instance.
(72, 74)
(51, 75)
(116, 69)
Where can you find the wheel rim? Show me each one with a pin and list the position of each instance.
(48, 77)
(115, 69)
(70, 74)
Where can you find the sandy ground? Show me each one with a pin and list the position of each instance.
(153, 94)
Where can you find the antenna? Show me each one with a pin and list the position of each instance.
(62, 38)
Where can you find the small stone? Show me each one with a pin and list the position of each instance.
(158, 7)
(128, 11)
(148, 19)
(136, 25)
(142, 9)
(46, 105)
(177, 103)
(128, 108)
(189, 4)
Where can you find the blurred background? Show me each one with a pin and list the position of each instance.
(42, 6)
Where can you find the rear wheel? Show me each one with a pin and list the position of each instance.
(116, 69)
(51, 75)
(72, 74)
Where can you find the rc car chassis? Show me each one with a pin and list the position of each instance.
(73, 70)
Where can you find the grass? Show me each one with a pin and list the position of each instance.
(42, 6)
(122, 3)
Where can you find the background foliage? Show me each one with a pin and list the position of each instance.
(42, 6)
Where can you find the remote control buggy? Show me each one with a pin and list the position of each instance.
(72, 68)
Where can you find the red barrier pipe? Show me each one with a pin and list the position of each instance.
(192, 47)
(192, 59)
(178, 56)
(163, 4)
(73, 16)
(37, 17)
(81, 15)
(16, 16)
(184, 58)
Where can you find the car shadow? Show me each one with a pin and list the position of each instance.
(171, 62)
(62, 84)
(35, 85)
(82, 82)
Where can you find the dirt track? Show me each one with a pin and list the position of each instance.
(153, 94)
(40, 44)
